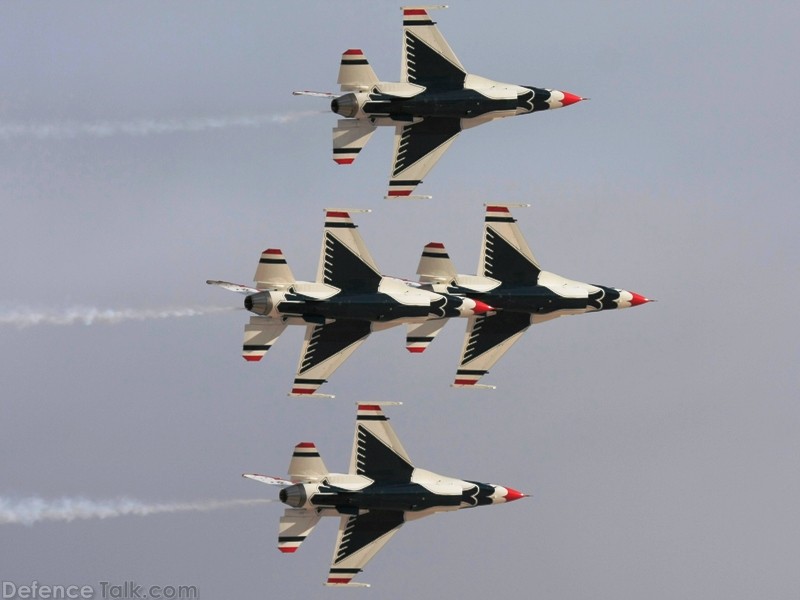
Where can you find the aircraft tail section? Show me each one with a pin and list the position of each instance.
(355, 72)
(349, 137)
(306, 464)
(273, 271)
(435, 265)
(295, 526)
(259, 336)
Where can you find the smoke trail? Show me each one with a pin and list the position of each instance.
(27, 511)
(89, 316)
(142, 127)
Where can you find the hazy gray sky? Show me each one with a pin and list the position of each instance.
(146, 147)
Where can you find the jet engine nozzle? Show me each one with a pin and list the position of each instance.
(260, 303)
(346, 105)
(295, 495)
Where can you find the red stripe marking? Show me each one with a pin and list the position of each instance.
(288, 549)
(339, 580)
(435, 245)
(337, 214)
(399, 193)
(497, 209)
(414, 11)
(465, 381)
(305, 445)
(344, 161)
(353, 51)
(416, 349)
(272, 251)
(252, 358)
(369, 407)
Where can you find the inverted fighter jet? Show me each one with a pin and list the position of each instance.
(435, 99)
(349, 300)
(510, 279)
(381, 491)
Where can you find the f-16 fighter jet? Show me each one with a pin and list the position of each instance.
(435, 99)
(349, 300)
(511, 280)
(381, 490)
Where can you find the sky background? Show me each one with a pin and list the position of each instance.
(660, 444)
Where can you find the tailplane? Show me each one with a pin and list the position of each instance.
(355, 72)
(306, 464)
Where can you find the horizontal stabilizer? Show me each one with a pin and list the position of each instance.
(295, 526)
(272, 270)
(259, 336)
(420, 335)
(306, 463)
(355, 73)
(349, 137)
(435, 264)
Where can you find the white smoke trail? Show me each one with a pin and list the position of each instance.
(27, 511)
(142, 127)
(89, 315)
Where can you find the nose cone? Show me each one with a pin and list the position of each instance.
(559, 99)
(627, 299)
(470, 307)
(506, 494)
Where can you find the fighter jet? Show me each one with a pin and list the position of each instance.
(349, 300)
(510, 279)
(435, 99)
(381, 491)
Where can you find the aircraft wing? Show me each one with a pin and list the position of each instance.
(417, 147)
(505, 255)
(344, 261)
(487, 339)
(325, 348)
(428, 59)
(377, 451)
(360, 538)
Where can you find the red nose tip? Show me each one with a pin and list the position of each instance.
(638, 299)
(481, 307)
(570, 99)
(513, 494)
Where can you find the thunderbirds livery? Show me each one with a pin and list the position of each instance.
(510, 279)
(433, 101)
(380, 492)
(349, 300)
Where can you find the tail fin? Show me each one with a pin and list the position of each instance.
(435, 265)
(272, 271)
(306, 464)
(355, 73)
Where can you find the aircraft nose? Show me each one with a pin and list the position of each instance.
(481, 307)
(558, 99)
(627, 299)
(512, 494)
(506, 494)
